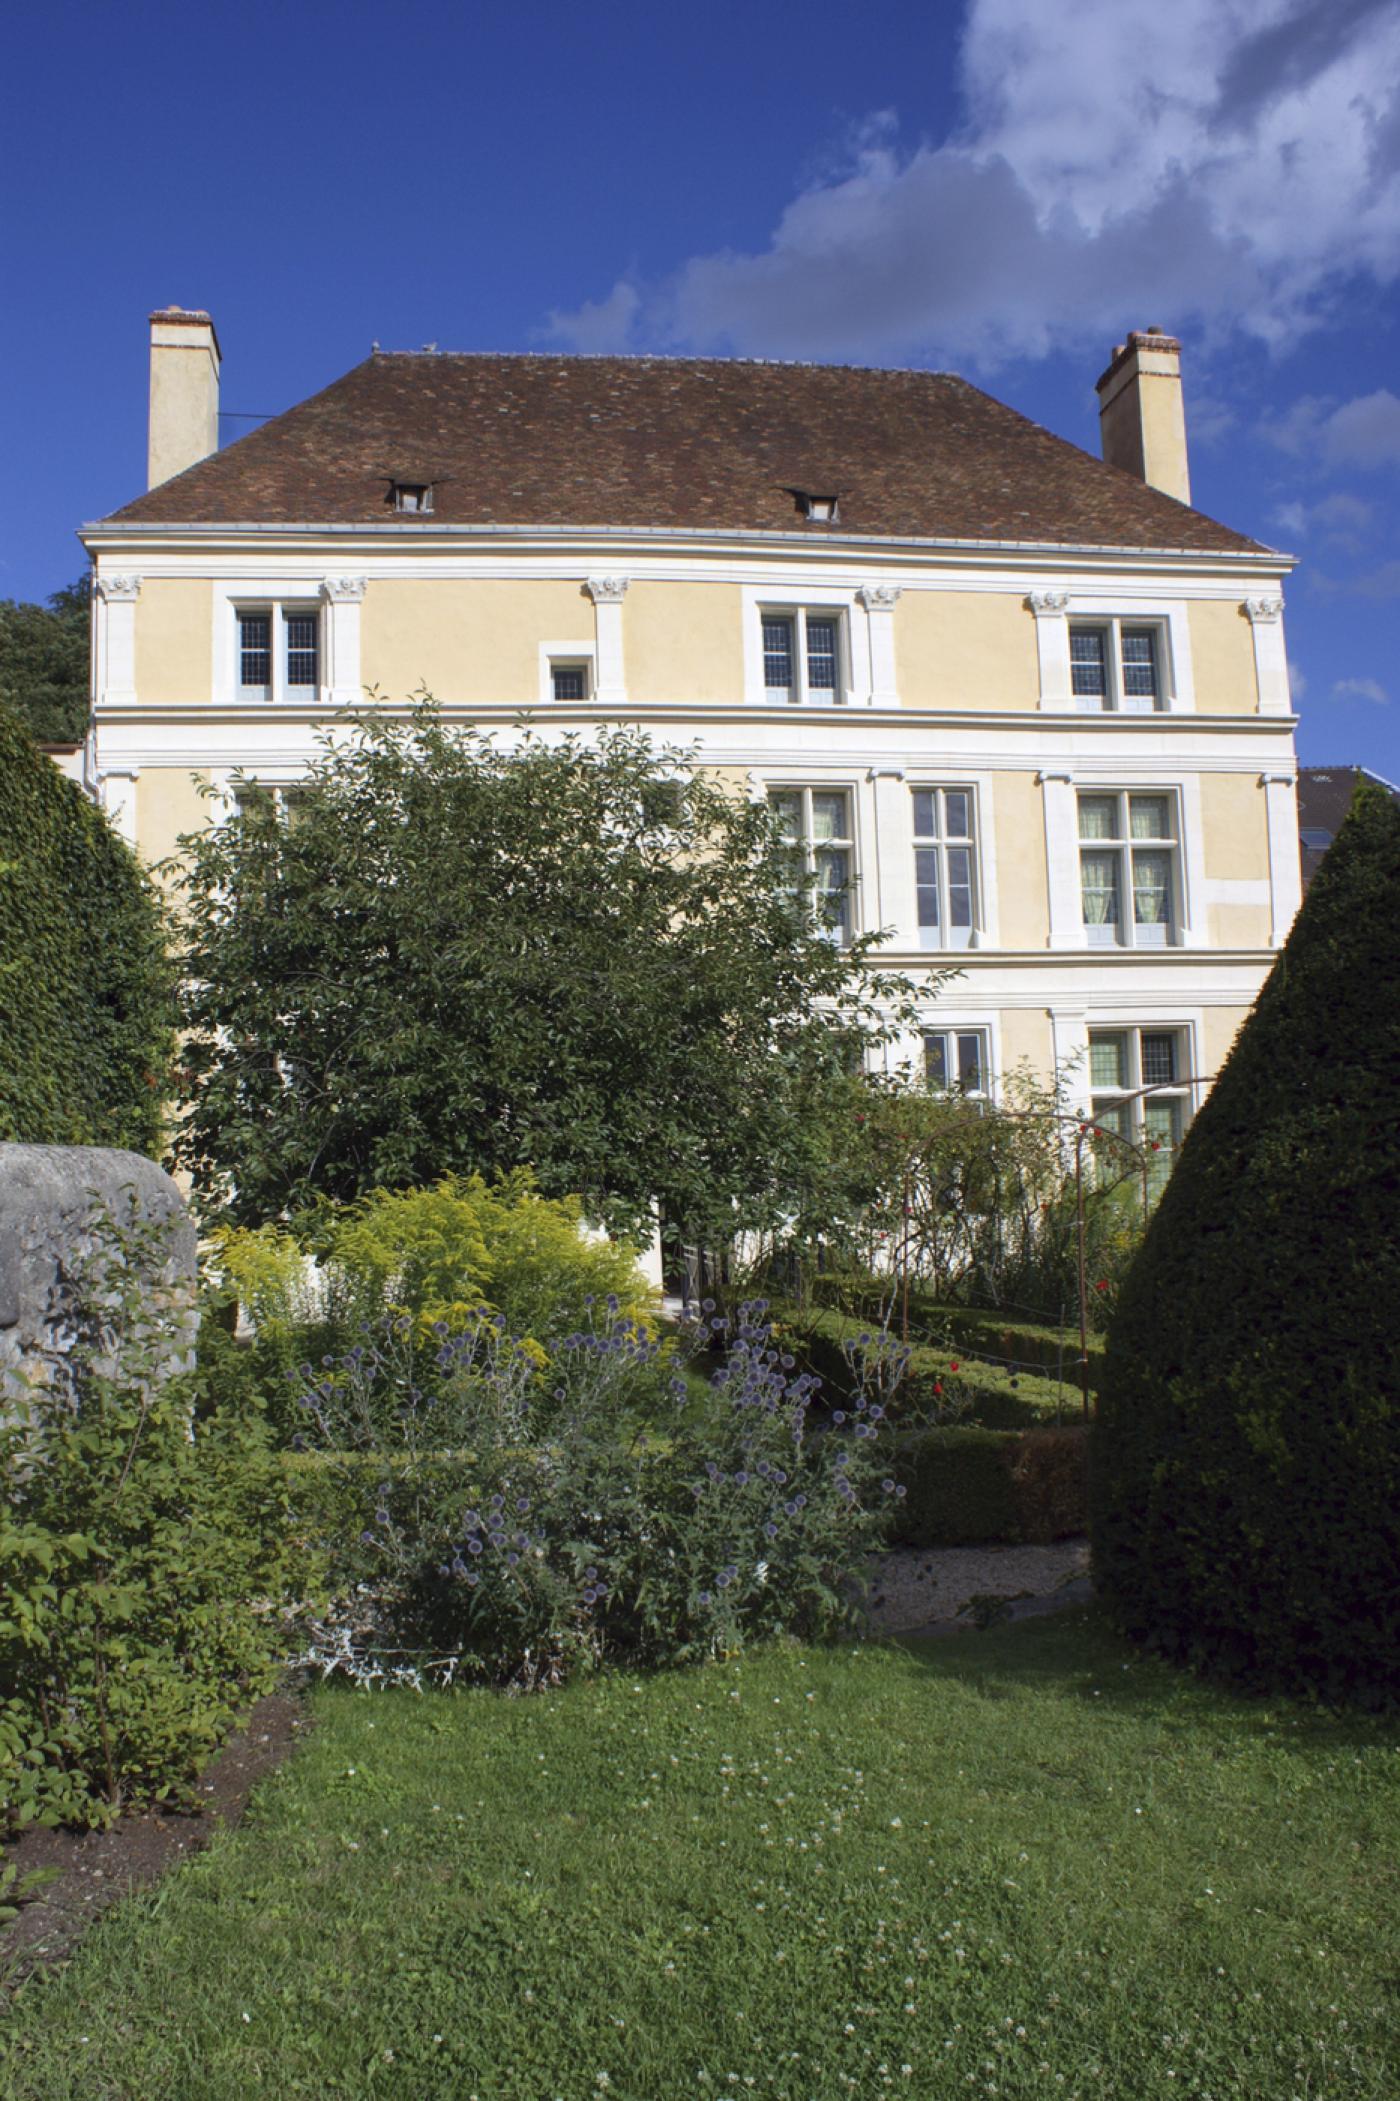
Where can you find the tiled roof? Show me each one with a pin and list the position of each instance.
(1324, 797)
(682, 444)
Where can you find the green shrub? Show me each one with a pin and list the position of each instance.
(86, 985)
(1247, 1454)
(968, 1486)
(140, 1564)
(438, 1256)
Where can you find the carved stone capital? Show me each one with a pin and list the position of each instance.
(119, 590)
(1264, 610)
(878, 598)
(1045, 604)
(607, 590)
(343, 590)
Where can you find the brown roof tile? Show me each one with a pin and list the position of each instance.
(674, 443)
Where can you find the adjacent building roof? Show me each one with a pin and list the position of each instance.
(677, 443)
(1324, 797)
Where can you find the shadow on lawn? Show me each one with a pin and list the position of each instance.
(1075, 1654)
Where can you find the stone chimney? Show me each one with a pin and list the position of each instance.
(184, 391)
(1142, 425)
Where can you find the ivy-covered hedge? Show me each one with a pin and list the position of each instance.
(967, 1486)
(1247, 1451)
(86, 984)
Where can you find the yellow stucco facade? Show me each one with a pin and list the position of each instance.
(965, 649)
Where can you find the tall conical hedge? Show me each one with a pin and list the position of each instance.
(86, 984)
(1246, 1458)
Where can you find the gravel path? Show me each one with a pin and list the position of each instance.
(915, 1588)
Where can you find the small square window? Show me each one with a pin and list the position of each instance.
(413, 496)
(569, 681)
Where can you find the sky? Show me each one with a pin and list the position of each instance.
(995, 187)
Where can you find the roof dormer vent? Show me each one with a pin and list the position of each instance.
(818, 509)
(413, 497)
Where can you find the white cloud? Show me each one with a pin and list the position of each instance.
(1360, 689)
(1223, 163)
(1362, 432)
(1297, 680)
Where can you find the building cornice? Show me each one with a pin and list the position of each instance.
(101, 537)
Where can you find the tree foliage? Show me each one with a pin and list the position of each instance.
(1247, 1456)
(86, 994)
(44, 663)
(582, 958)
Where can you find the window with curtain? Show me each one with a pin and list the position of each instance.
(1122, 1064)
(1128, 869)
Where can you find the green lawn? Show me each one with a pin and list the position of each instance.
(1023, 1863)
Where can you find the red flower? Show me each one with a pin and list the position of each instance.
(953, 1365)
(938, 1386)
(1101, 1287)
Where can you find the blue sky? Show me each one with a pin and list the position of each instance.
(997, 187)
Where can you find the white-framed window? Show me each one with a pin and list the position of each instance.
(816, 824)
(570, 678)
(413, 497)
(958, 1060)
(287, 798)
(945, 866)
(1124, 1061)
(278, 652)
(1117, 665)
(804, 654)
(1129, 869)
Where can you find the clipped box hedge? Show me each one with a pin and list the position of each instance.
(968, 1486)
(1027, 1345)
(994, 1396)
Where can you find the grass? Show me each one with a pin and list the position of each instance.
(1026, 1863)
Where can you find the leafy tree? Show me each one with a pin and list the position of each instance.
(1247, 1453)
(86, 993)
(585, 959)
(44, 662)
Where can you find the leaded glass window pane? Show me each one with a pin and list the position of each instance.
(1098, 816)
(301, 649)
(1139, 663)
(254, 649)
(1161, 1120)
(570, 682)
(1108, 1061)
(821, 656)
(1158, 1058)
(777, 656)
(787, 808)
(1113, 1116)
(957, 808)
(1088, 663)
(936, 1060)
